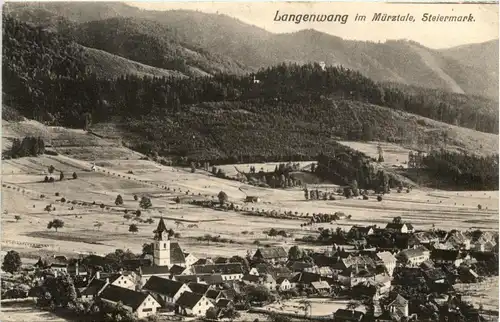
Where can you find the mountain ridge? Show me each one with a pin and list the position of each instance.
(253, 48)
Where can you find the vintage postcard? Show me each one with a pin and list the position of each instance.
(265, 161)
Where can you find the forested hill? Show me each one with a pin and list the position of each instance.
(238, 46)
(41, 69)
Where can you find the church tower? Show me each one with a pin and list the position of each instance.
(161, 245)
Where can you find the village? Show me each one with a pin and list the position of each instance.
(397, 273)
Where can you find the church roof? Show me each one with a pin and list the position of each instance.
(160, 229)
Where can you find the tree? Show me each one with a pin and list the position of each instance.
(119, 200)
(223, 198)
(145, 203)
(75, 176)
(133, 228)
(11, 262)
(51, 169)
(305, 305)
(56, 224)
(306, 194)
(58, 291)
(98, 225)
(136, 198)
(147, 248)
(212, 314)
(61, 176)
(397, 220)
(17, 217)
(295, 253)
(379, 198)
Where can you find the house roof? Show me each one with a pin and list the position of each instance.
(251, 278)
(176, 254)
(128, 297)
(399, 226)
(398, 301)
(152, 270)
(189, 300)
(271, 253)
(348, 315)
(306, 278)
(414, 252)
(320, 285)
(231, 268)
(133, 264)
(297, 266)
(94, 287)
(445, 254)
(160, 228)
(203, 261)
(212, 294)
(162, 286)
(176, 270)
(212, 278)
(386, 257)
(186, 278)
(198, 287)
(223, 303)
(221, 260)
(434, 274)
(361, 229)
(281, 280)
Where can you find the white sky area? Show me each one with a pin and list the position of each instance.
(431, 34)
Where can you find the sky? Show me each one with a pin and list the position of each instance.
(431, 34)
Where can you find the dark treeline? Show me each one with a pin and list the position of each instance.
(463, 170)
(29, 146)
(45, 78)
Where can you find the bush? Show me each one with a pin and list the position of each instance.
(75, 176)
(63, 199)
(365, 197)
(57, 194)
(379, 198)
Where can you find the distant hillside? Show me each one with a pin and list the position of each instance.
(465, 69)
(107, 65)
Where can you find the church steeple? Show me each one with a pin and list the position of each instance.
(161, 232)
(161, 245)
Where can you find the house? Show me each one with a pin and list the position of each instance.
(321, 287)
(435, 275)
(354, 275)
(214, 295)
(271, 254)
(146, 272)
(229, 272)
(323, 271)
(118, 279)
(426, 237)
(459, 240)
(168, 290)
(283, 284)
(360, 231)
(413, 257)
(299, 266)
(266, 268)
(342, 315)
(57, 264)
(399, 304)
(446, 256)
(95, 287)
(139, 303)
(192, 304)
(403, 228)
(214, 279)
(388, 260)
(204, 261)
(265, 280)
(189, 259)
(177, 270)
(199, 288)
(467, 275)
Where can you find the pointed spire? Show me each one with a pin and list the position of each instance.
(160, 229)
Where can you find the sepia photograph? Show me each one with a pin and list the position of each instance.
(249, 161)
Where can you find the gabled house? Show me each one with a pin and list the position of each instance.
(189, 259)
(271, 254)
(399, 304)
(146, 272)
(459, 240)
(265, 280)
(444, 256)
(354, 275)
(403, 228)
(192, 304)
(142, 304)
(199, 288)
(57, 264)
(283, 284)
(95, 287)
(388, 260)
(118, 279)
(359, 232)
(229, 272)
(214, 295)
(413, 257)
(321, 287)
(168, 290)
(177, 270)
